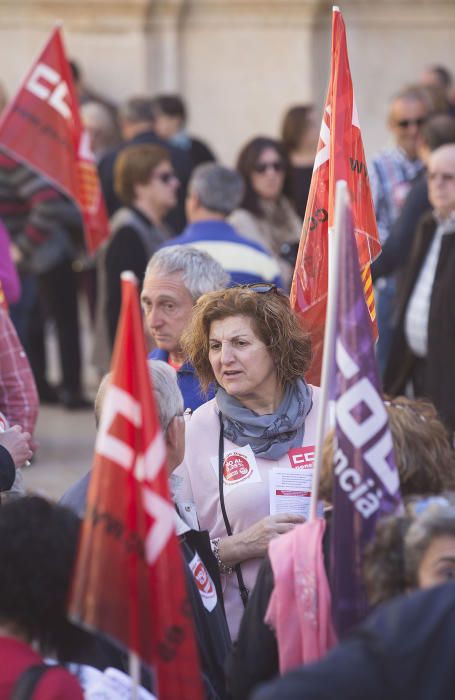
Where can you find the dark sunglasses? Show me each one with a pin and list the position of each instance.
(406, 123)
(262, 168)
(166, 178)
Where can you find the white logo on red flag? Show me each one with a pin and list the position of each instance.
(42, 128)
(129, 579)
(340, 156)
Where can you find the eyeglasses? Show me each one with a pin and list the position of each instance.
(166, 178)
(406, 123)
(275, 165)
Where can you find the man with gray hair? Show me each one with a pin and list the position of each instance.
(174, 280)
(213, 193)
(391, 174)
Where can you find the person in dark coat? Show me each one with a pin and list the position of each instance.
(405, 649)
(147, 185)
(423, 346)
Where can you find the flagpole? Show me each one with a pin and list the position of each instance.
(134, 668)
(134, 664)
(341, 199)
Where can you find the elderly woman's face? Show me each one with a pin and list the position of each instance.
(267, 177)
(241, 363)
(438, 562)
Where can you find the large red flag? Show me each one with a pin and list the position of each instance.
(340, 156)
(42, 128)
(129, 580)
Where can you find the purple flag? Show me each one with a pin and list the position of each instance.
(366, 483)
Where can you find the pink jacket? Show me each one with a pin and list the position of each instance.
(300, 606)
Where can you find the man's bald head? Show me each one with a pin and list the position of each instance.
(441, 180)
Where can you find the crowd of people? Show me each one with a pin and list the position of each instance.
(213, 248)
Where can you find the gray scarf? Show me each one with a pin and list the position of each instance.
(273, 435)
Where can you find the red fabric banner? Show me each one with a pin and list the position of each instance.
(340, 156)
(42, 128)
(129, 580)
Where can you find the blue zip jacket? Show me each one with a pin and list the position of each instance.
(193, 396)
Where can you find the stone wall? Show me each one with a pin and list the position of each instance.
(238, 63)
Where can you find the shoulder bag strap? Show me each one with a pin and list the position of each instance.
(27, 682)
(242, 588)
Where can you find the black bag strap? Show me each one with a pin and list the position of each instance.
(244, 592)
(27, 681)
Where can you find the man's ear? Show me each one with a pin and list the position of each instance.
(171, 434)
(194, 201)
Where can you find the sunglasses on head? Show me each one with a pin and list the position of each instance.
(275, 165)
(260, 287)
(406, 123)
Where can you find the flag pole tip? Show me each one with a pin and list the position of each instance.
(128, 276)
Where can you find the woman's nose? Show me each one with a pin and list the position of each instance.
(226, 353)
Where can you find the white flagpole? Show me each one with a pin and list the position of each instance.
(134, 668)
(341, 203)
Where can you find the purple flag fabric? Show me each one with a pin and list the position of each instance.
(366, 483)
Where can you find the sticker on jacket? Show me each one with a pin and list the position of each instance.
(204, 583)
(239, 466)
(302, 457)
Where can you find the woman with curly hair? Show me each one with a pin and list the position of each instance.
(239, 339)
(38, 542)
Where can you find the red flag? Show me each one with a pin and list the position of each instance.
(42, 128)
(340, 156)
(129, 580)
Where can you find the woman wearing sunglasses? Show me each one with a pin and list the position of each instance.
(145, 181)
(248, 341)
(266, 216)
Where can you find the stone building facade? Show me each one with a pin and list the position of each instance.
(238, 63)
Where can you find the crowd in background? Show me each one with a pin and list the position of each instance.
(214, 249)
